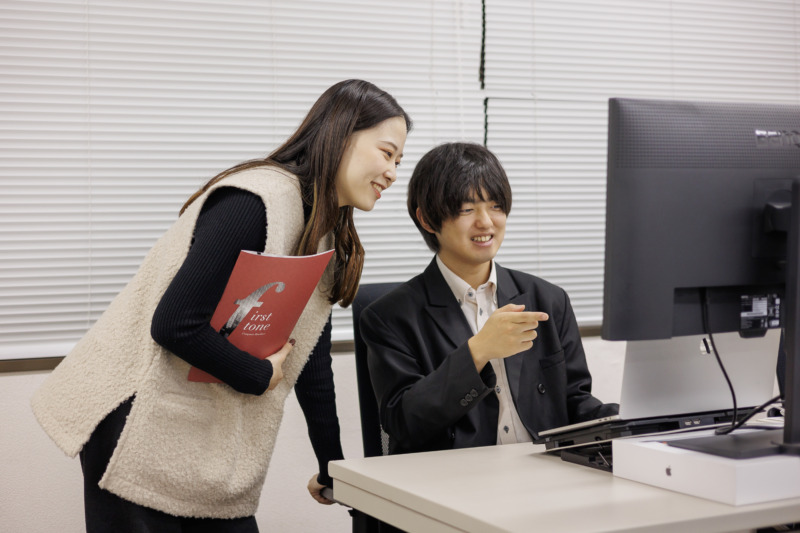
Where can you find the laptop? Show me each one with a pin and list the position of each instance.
(676, 385)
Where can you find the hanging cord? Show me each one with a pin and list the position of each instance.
(735, 424)
(706, 304)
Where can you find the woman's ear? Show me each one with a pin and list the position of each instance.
(427, 227)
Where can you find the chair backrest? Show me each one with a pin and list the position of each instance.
(372, 436)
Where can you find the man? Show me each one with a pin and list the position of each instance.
(469, 353)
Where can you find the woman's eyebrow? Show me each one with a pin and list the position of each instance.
(393, 145)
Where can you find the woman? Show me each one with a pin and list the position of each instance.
(160, 453)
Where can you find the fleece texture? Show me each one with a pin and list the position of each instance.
(188, 449)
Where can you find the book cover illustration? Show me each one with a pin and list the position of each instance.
(263, 300)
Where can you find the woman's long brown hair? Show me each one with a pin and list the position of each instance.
(313, 154)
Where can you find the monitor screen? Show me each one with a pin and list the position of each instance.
(688, 185)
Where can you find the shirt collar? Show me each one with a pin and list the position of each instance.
(458, 286)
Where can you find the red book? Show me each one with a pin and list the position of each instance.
(263, 300)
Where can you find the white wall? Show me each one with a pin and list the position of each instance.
(41, 489)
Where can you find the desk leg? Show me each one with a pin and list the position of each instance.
(364, 523)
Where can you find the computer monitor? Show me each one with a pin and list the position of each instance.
(699, 200)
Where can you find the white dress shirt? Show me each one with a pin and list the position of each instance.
(477, 305)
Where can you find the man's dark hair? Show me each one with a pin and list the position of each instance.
(450, 175)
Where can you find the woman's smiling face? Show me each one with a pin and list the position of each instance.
(369, 163)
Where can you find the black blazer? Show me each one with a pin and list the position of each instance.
(430, 396)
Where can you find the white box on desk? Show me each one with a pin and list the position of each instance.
(733, 481)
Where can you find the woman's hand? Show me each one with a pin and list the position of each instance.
(315, 489)
(277, 360)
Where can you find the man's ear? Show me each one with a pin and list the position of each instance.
(427, 227)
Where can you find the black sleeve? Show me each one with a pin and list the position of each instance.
(231, 220)
(317, 398)
(418, 402)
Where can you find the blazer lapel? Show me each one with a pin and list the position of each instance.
(443, 307)
(508, 293)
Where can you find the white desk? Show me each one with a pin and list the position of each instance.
(516, 488)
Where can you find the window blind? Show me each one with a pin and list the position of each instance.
(112, 113)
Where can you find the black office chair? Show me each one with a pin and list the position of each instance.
(372, 436)
(375, 441)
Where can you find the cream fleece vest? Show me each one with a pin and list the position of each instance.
(188, 449)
